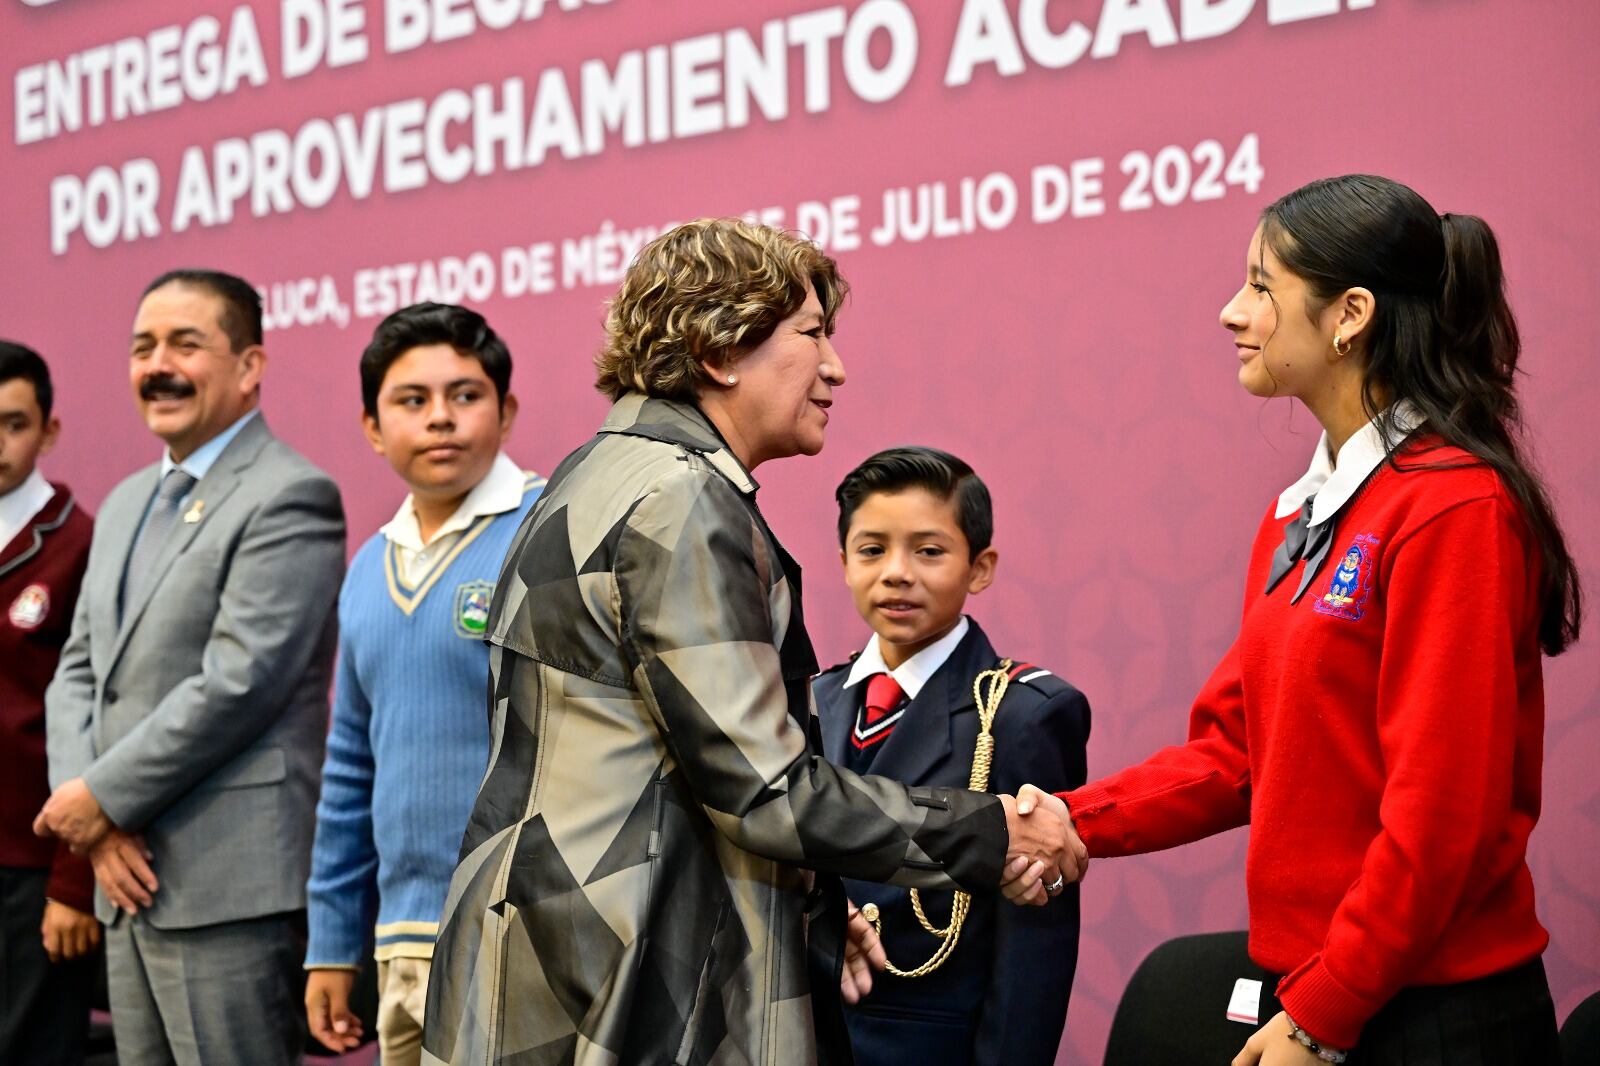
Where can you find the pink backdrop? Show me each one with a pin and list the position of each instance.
(1077, 363)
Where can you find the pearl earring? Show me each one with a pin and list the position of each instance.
(732, 380)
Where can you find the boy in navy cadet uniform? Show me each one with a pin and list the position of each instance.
(915, 526)
(409, 741)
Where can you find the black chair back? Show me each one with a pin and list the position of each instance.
(1174, 1011)
(1580, 1034)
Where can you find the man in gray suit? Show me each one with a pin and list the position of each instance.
(186, 719)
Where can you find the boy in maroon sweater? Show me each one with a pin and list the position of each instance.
(46, 893)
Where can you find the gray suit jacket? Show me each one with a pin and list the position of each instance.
(198, 718)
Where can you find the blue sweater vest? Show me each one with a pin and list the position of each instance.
(408, 745)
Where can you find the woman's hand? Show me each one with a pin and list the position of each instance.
(1274, 1045)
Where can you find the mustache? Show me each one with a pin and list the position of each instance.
(165, 385)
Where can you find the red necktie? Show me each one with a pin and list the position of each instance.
(883, 696)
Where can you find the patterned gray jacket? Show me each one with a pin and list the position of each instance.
(657, 836)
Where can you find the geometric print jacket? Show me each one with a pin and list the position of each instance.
(651, 870)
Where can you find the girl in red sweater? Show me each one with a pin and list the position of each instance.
(1379, 720)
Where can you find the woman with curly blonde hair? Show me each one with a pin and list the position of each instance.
(651, 871)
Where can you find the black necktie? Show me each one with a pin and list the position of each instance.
(1301, 540)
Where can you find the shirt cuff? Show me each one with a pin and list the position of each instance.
(1097, 819)
(1323, 1007)
(332, 945)
(97, 778)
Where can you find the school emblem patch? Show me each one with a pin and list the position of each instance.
(472, 608)
(29, 609)
(1351, 582)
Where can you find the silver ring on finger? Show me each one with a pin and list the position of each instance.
(1057, 885)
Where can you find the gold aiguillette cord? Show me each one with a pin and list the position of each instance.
(988, 703)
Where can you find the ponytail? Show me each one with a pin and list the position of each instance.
(1442, 338)
(1476, 326)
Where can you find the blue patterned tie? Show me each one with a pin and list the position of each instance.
(157, 526)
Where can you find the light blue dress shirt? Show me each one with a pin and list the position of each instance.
(203, 457)
(199, 461)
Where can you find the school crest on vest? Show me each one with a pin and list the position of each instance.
(28, 610)
(471, 612)
(1351, 582)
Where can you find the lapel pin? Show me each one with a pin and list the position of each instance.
(195, 512)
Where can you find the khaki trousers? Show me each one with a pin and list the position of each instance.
(402, 995)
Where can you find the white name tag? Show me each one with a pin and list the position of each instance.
(1245, 1006)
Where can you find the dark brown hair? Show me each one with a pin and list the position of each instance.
(707, 290)
(1442, 338)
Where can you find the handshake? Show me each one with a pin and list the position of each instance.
(1045, 854)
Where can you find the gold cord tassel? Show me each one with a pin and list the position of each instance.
(988, 702)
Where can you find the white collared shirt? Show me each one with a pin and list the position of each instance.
(499, 491)
(915, 671)
(1333, 483)
(19, 506)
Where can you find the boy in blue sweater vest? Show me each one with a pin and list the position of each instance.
(410, 737)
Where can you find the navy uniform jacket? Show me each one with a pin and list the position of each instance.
(1001, 998)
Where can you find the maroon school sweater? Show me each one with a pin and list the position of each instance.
(1383, 737)
(40, 571)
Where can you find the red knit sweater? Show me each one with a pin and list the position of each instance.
(40, 571)
(1383, 737)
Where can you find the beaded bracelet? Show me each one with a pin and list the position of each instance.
(1325, 1054)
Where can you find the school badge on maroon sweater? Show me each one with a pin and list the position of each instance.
(30, 608)
(1351, 582)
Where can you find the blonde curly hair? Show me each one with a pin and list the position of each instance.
(711, 289)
